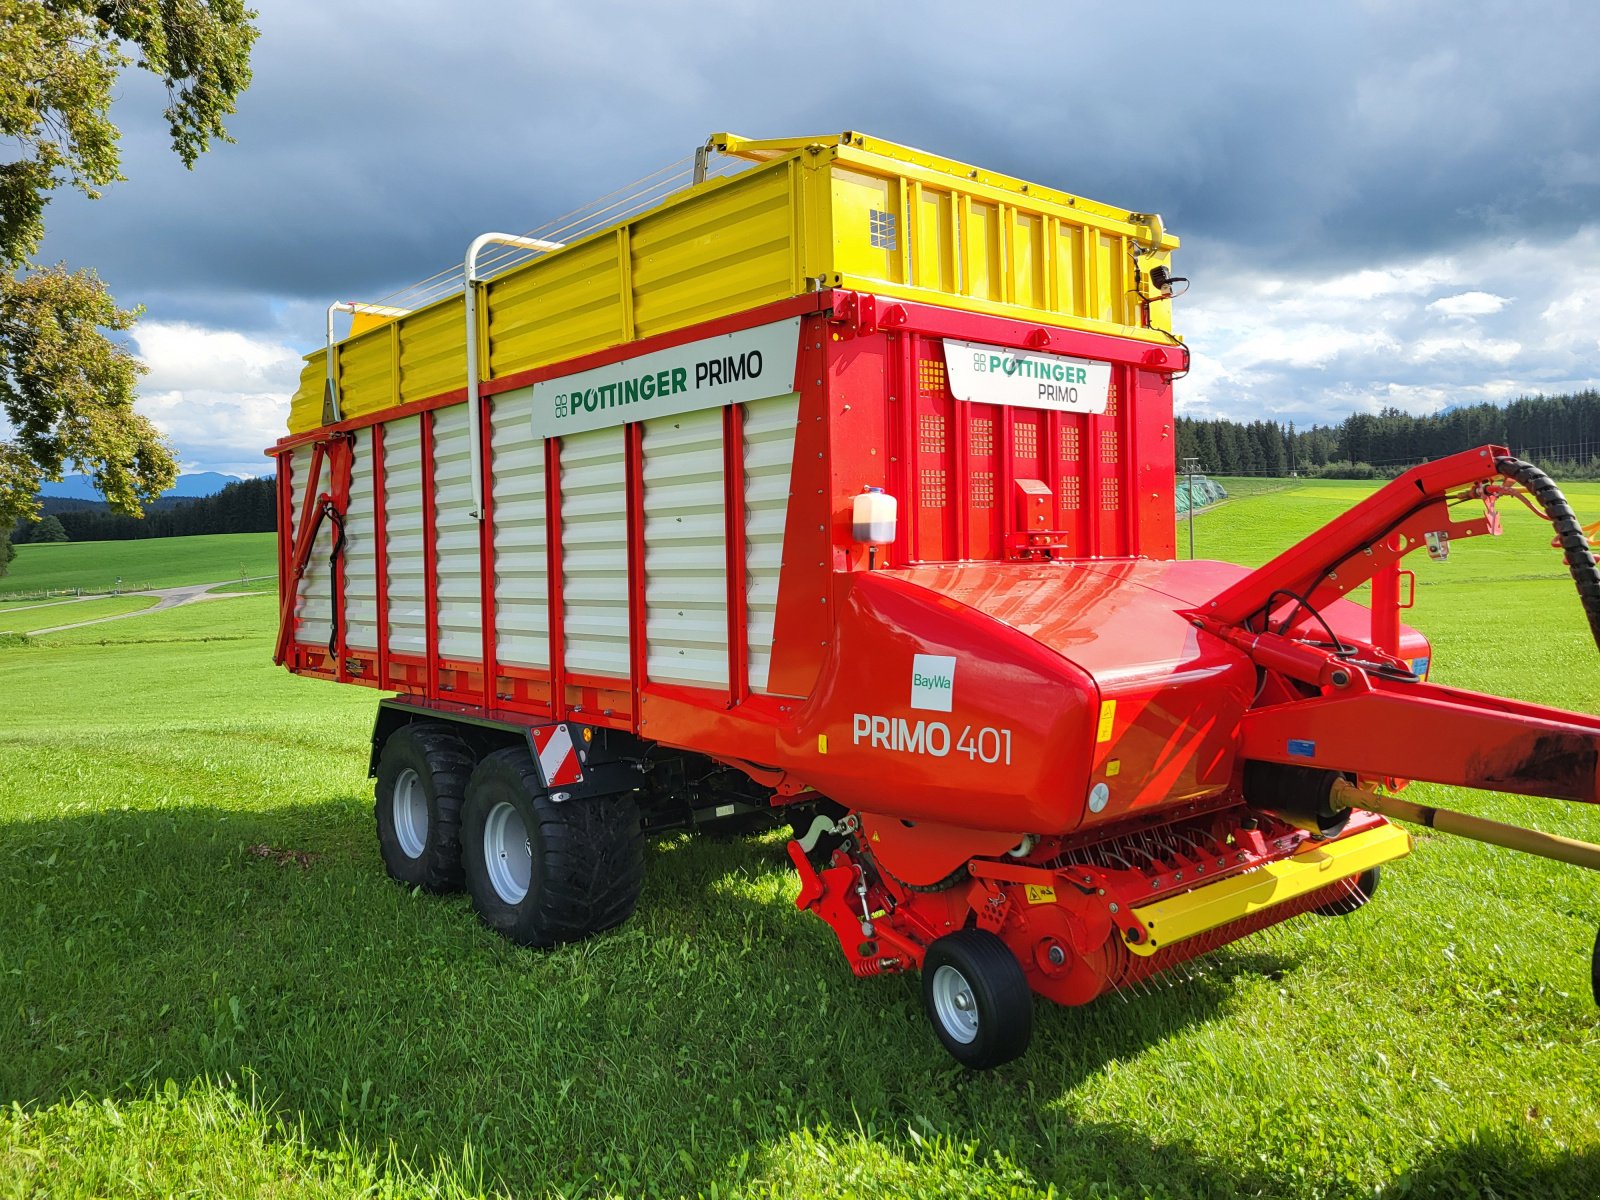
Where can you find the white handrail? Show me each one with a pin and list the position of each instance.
(350, 306)
(469, 273)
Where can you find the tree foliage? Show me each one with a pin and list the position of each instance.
(1560, 430)
(49, 529)
(66, 382)
(246, 506)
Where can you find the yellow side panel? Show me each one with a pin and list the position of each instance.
(866, 225)
(433, 350)
(366, 373)
(574, 303)
(305, 409)
(1028, 269)
(933, 240)
(985, 277)
(1105, 270)
(1069, 269)
(728, 250)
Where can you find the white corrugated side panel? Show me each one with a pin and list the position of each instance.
(521, 572)
(768, 456)
(360, 550)
(685, 557)
(456, 537)
(313, 608)
(594, 552)
(402, 526)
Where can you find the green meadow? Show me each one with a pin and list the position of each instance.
(140, 565)
(208, 986)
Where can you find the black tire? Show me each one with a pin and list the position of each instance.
(585, 858)
(972, 972)
(422, 780)
(1366, 885)
(1594, 969)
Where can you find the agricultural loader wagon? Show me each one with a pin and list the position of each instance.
(831, 484)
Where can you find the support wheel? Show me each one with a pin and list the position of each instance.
(422, 779)
(542, 872)
(1594, 969)
(977, 998)
(1364, 886)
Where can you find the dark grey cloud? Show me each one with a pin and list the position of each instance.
(378, 137)
(1292, 147)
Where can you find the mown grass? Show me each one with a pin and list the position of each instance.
(185, 1007)
(31, 617)
(151, 563)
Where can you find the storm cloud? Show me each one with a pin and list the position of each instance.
(1380, 203)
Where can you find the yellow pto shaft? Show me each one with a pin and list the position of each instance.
(1512, 837)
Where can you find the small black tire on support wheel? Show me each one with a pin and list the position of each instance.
(1594, 969)
(977, 998)
(1362, 888)
(540, 871)
(421, 782)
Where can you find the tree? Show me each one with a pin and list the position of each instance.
(49, 529)
(7, 550)
(66, 384)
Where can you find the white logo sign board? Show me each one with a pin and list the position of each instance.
(933, 682)
(749, 364)
(1026, 378)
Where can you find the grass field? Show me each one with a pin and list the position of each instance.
(152, 563)
(16, 618)
(207, 986)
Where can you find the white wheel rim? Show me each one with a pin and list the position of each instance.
(955, 1004)
(507, 854)
(410, 807)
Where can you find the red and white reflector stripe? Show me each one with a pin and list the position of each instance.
(558, 755)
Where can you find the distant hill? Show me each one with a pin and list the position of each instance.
(201, 483)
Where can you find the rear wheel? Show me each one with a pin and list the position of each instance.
(1359, 890)
(977, 998)
(422, 779)
(540, 871)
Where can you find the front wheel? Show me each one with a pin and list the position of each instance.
(540, 871)
(977, 998)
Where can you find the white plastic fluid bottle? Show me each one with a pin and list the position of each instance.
(872, 519)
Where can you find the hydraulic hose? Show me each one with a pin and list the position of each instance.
(1574, 542)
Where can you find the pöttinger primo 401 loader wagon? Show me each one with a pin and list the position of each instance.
(836, 485)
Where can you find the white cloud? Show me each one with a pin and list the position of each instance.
(1486, 323)
(221, 396)
(1468, 304)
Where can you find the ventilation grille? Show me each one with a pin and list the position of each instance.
(934, 494)
(1026, 440)
(983, 489)
(1071, 445)
(1071, 494)
(1108, 445)
(930, 376)
(882, 227)
(1110, 494)
(982, 440)
(931, 430)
